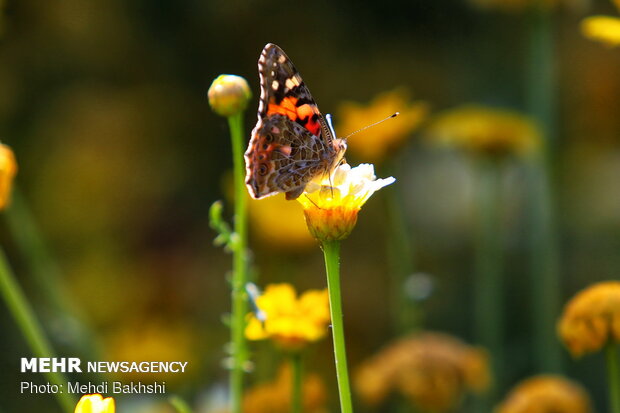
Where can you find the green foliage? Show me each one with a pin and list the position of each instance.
(226, 237)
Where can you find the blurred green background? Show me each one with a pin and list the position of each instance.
(104, 103)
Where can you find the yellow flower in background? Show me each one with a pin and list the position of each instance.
(278, 223)
(331, 203)
(591, 318)
(153, 340)
(8, 170)
(95, 403)
(605, 29)
(377, 143)
(546, 394)
(432, 370)
(291, 322)
(486, 131)
(275, 396)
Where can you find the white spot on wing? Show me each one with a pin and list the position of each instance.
(275, 85)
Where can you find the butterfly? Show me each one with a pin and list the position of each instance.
(292, 143)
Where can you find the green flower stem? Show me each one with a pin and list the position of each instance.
(45, 271)
(240, 266)
(406, 313)
(543, 249)
(331, 252)
(488, 281)
(30, 328)
(613, 376)
(297, 392)
(33, 250)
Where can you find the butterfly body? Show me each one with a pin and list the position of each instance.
(291, 143)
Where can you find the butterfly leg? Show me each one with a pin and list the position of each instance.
(314, 203)
(294, 194)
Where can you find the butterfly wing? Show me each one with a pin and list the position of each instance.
(284, 92)
(291, 143)
(282, 157)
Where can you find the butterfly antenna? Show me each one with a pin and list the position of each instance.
(373, 124)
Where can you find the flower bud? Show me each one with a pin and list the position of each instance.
(8, 169)
(229, 95)
(333, 224)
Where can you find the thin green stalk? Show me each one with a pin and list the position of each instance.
(45, 271)
(30, 328)
(33, 250)
(331, 252)
(488, 281)
(543, 250)
(540, 92)
(240, 267)
(405, 311)
(613, 376)
(297, 394)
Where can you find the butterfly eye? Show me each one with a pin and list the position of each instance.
(263, 169)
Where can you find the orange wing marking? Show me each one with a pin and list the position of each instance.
(304, 113)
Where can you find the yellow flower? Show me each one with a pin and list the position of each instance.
(229, 95)
(486, 131)
(289, 321)
(95, 403)
(591, 318)
(8, 169)
(605, 29)
(278, 223)
(375, 144)
(159, 340)
(275, 397)
(546, 394)
(331, 203)
(432, 370)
